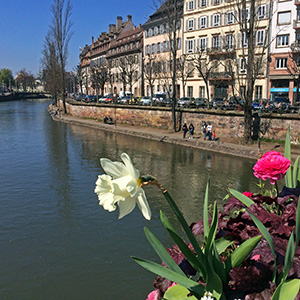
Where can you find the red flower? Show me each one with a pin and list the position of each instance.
(272, 165)
(248, 194)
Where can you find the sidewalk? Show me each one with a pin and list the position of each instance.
(162, 135)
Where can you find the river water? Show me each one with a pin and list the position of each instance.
(56, 242)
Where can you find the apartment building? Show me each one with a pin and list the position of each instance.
(213, 38)
(94, 55)
(285, 20)
(158, 43)
(125, 60)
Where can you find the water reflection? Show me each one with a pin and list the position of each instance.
(70, 247)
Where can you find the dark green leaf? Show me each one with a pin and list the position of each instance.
(244, 199)
(287, 154)
(162, 252)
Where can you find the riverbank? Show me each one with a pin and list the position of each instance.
(229, 146)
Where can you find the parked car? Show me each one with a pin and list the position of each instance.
(108, 98)
(280, 103)
(146, 100)
(199, 103)
(79, 97)
(185, 101)
(216, 103)
(125, 100)
(158, 98)
(90, 98)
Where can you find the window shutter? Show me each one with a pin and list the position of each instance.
(207, 21)
(267, 10)
(221, 17)
(212, 21)
(225, 18)
(186, 46)
(186, 25)
(187, 6)
(206, 43)
(194, 24)
(199, 22)
(239, 40)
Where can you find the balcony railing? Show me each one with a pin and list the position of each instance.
(221, 76)
(220, 50)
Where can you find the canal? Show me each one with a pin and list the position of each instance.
(56, 242)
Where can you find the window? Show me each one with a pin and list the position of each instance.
(190, 46)
(190, 5)
(190, 91)
(217, 2)
(230, 17)
(166, 46)
(229, 41)
(284, 18)
(203, 3)
(282, 40)
(202, 44)
(260, 37)
(162, 29)
(216, 41)
(179, 43)
(154, 48)
(155, 30)
(244, 40)
(262, 11)
(201, 92)
(258, 92)
(191, 24)
(161, 47)
(150, 32)
(243, 63)
(203, 22)
(216, 20)
(244, 15)
(281, 63)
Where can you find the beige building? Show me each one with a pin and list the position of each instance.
(157, 52)
(125, 59)
(214, 41)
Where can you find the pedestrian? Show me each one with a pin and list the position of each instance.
(191, 131)
(209, 131)
(185, 130)
(204, 126)
(214, 135)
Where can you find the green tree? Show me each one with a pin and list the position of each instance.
(6, 77)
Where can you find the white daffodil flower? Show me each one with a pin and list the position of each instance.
(122, 186)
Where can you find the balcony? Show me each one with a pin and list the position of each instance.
(220, 51)
(221, 76)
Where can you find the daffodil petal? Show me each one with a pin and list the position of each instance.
(119, 186)
(103, 184)
(114, 169)
(126, 207)
(107, 201)
(129, 165)
(143, 205)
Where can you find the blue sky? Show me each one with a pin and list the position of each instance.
(25, 23)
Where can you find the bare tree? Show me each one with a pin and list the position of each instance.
(150, 71)
(172, 14)
(185, 69)
(129, 71)
(293, 66)
(60, 32)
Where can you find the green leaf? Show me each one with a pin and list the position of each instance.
(212, 230)
(162, 252)
(223, 243)
(193, 286)
(297, 227)
(241, 253)
(178, 292)
(287, 154)
(196, 263)
(287, 290)
(183, 223)
(205, 211)
(296, 172)
(268, 238)
(289, 257)
(244, 199)
(213, 283)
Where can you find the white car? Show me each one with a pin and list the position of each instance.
(145, 101)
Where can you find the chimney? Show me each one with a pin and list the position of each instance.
(129, 18)
(119, 22)
(109, 28)
(92, 40)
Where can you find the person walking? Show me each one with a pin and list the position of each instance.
(204, 126)
(214, 135)
(191, 131)
(209, 131)
(185, 130)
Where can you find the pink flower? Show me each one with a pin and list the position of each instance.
(272, 165)
(154, 295)
(248, 194)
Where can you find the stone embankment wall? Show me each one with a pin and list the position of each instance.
(225, 123)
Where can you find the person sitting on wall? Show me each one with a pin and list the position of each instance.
(110, 120)
(106, 120)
